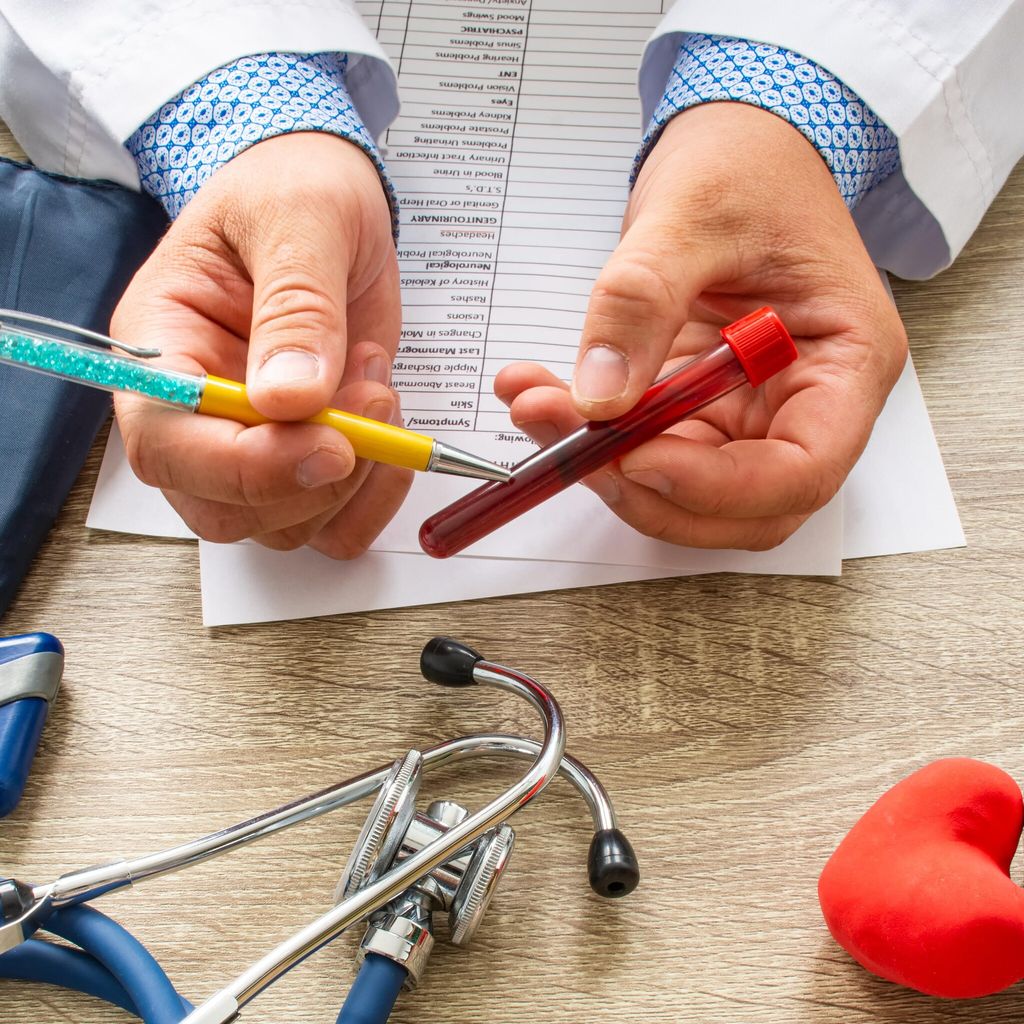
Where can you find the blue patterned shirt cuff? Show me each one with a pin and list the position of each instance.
(237, 105)
(859, 149)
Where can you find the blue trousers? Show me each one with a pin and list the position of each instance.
(68, 249)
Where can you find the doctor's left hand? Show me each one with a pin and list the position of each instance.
(280, 272)
(734, 209)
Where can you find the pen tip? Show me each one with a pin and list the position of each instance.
(454, 461)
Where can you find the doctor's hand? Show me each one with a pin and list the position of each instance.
(732, 210)
(281, 272)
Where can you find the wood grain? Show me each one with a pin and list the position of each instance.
(9, 145)
(741, 723)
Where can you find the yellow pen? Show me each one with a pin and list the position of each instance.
(73, 353)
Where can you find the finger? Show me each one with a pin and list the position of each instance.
(375, 316)
(661, 519)
(284, 525)
(546, 414)
(741, 479)
(367, 361)
(354, 528)
(225, 524)
(221, 461)
(291, 538)
(512, 380)
(357, 526)
(548, 417)
(638, 306)
(812, 443)
(348, 530)
(299, 263)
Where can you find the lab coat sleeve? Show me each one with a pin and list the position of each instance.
(945, 76)
(77, 78)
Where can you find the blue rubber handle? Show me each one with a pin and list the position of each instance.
(24, 644)
(372, 995)
(28, 657)
(21, 725)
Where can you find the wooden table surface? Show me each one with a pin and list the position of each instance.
(741, 723)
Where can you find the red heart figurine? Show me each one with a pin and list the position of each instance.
(919, 892)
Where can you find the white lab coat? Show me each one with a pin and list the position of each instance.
(77, 77)
(946, 76)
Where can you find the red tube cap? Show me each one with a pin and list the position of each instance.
(761, 343)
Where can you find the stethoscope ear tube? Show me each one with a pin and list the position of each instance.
(448, 662)
(612, 868)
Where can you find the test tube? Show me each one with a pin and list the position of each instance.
(753, 349)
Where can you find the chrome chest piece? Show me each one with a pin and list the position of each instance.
(462, 886)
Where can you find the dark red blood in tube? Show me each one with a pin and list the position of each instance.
(755, 348)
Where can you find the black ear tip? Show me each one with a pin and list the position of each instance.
(612, 865)
(449, 663)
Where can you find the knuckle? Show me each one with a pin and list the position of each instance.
(342, 546)
(770, 533)
(294, 297)
(254, 489)
(218, 526)
(290, 539)
(811, 482)
(145, 458)
(671, 526)
(898, 347)
(634, 291)
(713, 502)
(139, 456)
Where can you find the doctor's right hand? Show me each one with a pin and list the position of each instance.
(280, 272)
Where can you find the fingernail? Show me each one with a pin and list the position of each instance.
(602, 375)
(289, 366)
(605, 486)
(381, 410)
(323, 466)
(652, 479)
(377, 369)
(542, 432)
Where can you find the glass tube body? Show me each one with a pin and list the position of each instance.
(670, 399)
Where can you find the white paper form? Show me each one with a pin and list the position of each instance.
(511, 153)
(248, 583)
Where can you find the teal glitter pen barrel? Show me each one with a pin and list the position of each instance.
(99, 368)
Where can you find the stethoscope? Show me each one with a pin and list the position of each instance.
(405, 867)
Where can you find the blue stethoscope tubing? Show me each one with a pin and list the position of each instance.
(372, 996)
(112, 965)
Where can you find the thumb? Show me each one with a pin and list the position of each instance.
(298, 336)
(638, 305)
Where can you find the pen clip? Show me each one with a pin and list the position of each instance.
(80, 334)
